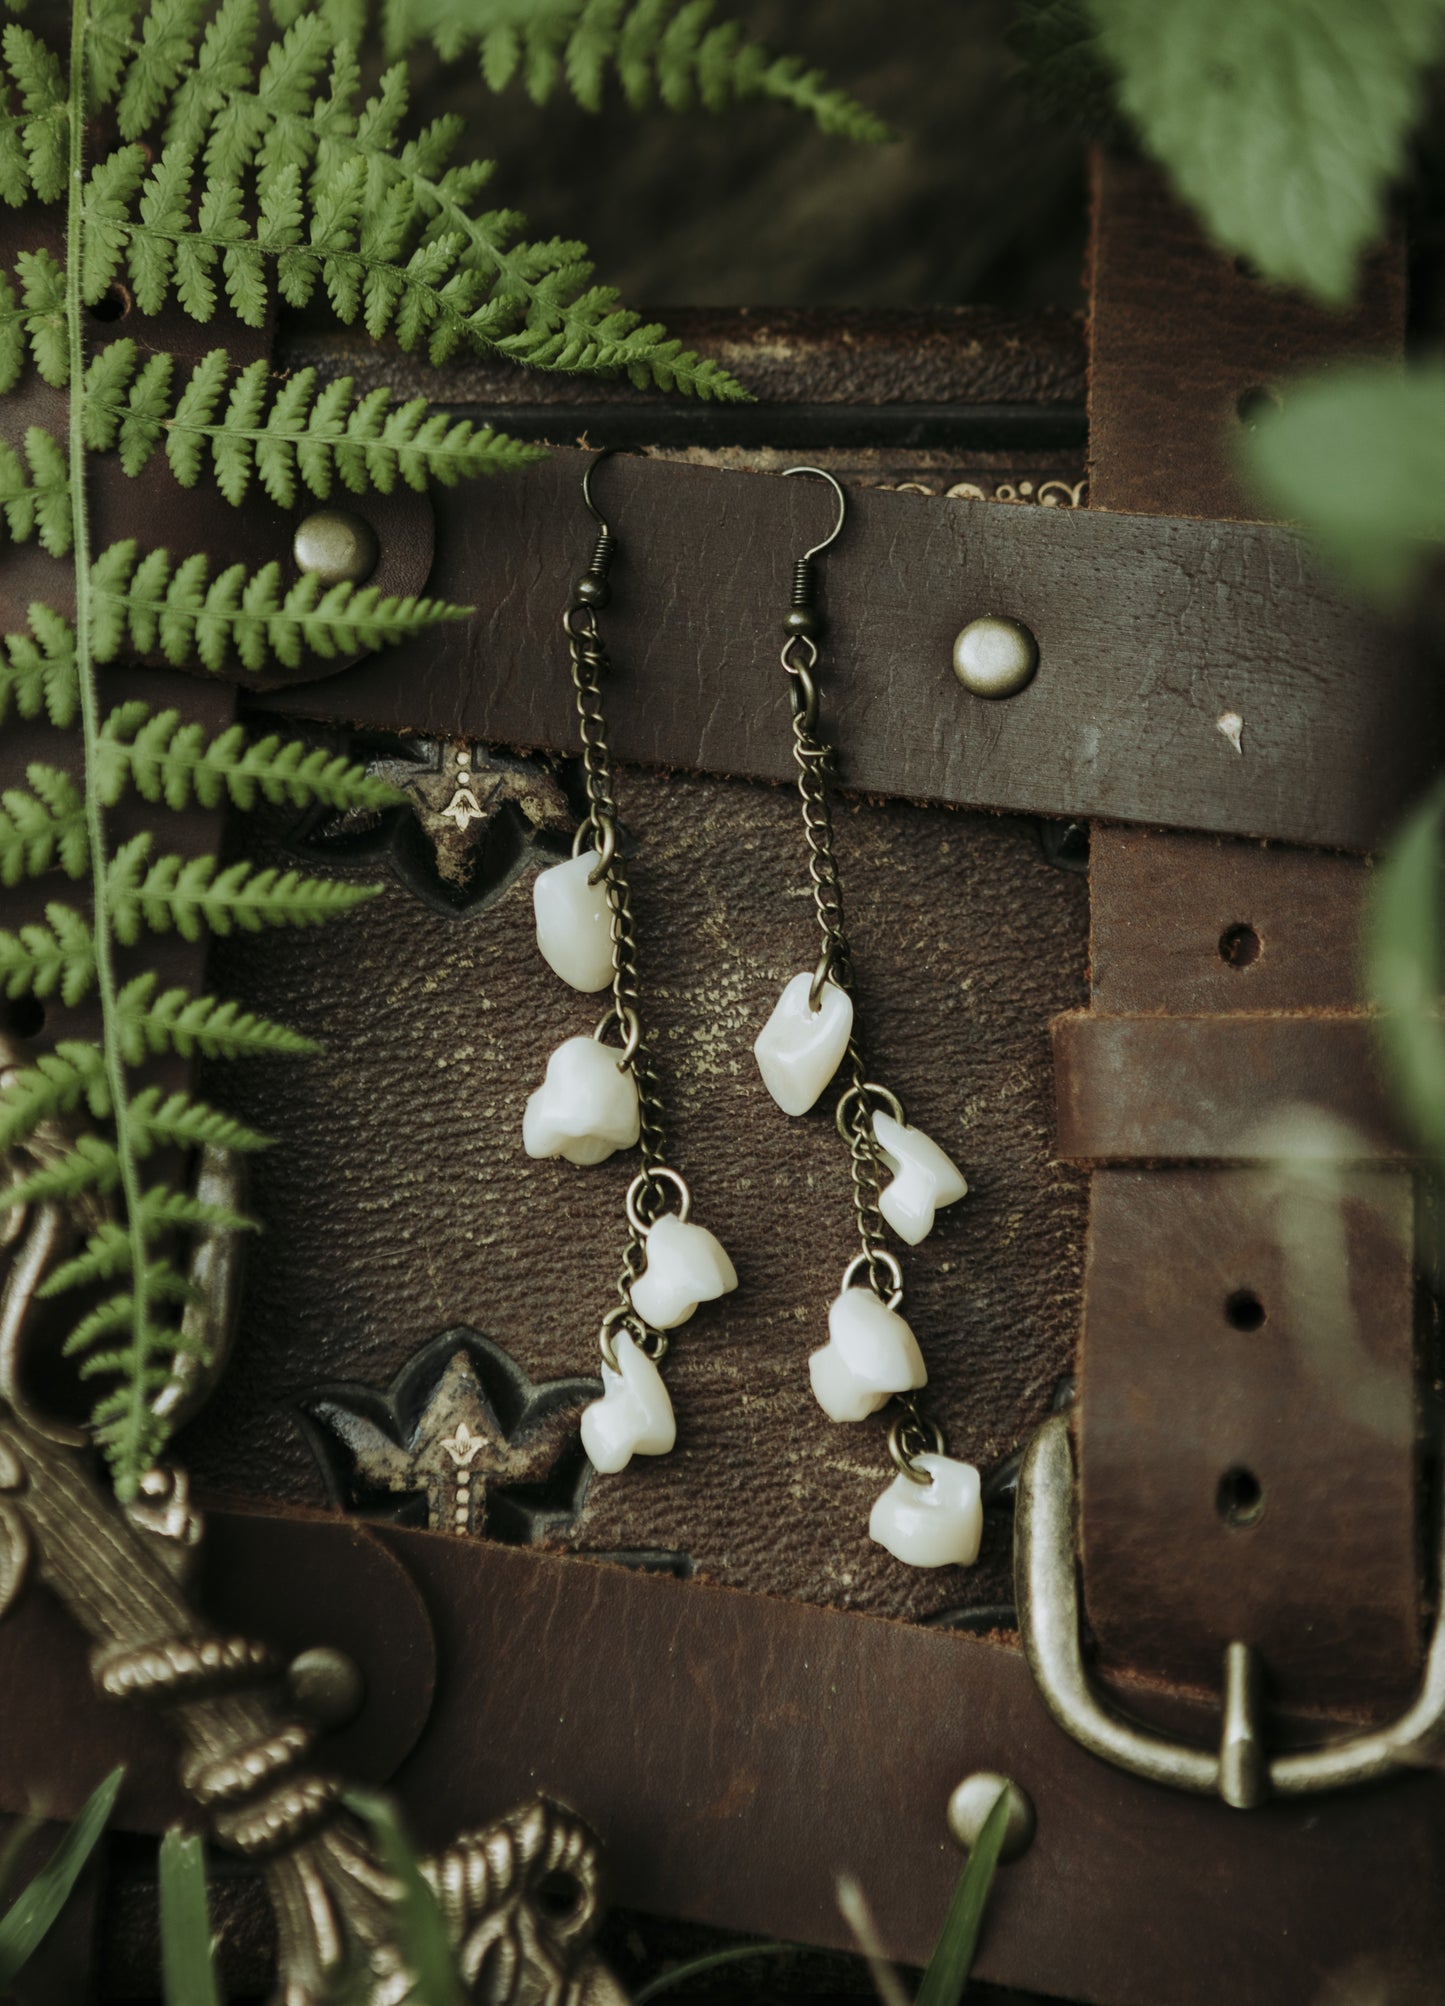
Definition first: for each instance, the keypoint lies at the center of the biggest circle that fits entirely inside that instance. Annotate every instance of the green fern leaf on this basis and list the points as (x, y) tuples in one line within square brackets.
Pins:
[(181, 611), (45, 128), (58, 1083), (110, 45), (90, 1165), (165, 53), (43, 829), (660, 50), (106, 1255), (162, 1284), (175, 1121), (283, 430), (35, 492), (176, 1021), (171, 761), (190, 894), (38, 671), (39, 960)]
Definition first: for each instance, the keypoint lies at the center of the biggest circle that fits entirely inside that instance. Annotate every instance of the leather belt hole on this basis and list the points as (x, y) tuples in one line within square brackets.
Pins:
[(1244, 1311), (1240, 946), (1254, 404), (113, 305), (1240, 1497), (22, 1016)]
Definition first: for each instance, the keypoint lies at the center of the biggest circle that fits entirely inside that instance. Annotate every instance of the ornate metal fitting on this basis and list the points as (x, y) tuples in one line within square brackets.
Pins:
[(1241, 1771)]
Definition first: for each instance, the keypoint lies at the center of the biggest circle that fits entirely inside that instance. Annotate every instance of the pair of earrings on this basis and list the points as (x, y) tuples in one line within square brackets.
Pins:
[(597, 1098)]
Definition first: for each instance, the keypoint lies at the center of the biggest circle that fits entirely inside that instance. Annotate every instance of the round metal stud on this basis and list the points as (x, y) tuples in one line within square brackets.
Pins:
[(976, 1796), (995, 657), (336, 546), (326, 1686)]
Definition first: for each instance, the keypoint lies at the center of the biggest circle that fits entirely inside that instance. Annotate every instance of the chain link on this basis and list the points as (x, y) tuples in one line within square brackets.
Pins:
[(589, 665)]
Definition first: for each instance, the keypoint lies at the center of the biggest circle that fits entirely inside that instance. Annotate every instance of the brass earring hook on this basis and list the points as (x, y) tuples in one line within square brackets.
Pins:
[(592, 465), (819, 474)]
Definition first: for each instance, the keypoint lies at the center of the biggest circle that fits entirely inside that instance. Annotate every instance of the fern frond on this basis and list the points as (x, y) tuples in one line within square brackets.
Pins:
[(192, 894), (105, 1255), (34, 150), (57, 1083), (147, 603), (176, 1021), (163, 1284), (32, 321), (91, 1164), (281, 429), (38, 960), (35, 492), (658, 50), (43, 829), (175, 1121), (38, 672), (175, 762), (161, 58)]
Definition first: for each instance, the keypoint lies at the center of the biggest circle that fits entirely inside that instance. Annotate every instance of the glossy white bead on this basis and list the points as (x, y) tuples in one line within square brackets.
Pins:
[(585, 1107), (686, 1265), (871, 1354), (574, 923), (634, 1416), (925, 1178), (938, 1524), (799, 1049)]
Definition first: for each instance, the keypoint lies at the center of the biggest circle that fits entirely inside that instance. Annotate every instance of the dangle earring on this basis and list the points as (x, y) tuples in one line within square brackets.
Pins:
[(599, 1097), (931, 1514)]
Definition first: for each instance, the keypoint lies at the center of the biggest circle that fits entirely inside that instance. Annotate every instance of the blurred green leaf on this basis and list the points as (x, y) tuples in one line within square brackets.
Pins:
[(1068, 77), (35, 1908), (187, 1965), (1403, 967), (1283, 122), (1358, 459), (421, 1933), (953, 1955), (698, 1967)]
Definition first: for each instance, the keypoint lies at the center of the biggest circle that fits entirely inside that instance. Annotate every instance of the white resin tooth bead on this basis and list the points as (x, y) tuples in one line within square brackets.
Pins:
[(574, 923), (799, 1049), (925, 1178), (871, 1354), (686, 1265), (939, 1524), (585, 1107), (634, 1416)]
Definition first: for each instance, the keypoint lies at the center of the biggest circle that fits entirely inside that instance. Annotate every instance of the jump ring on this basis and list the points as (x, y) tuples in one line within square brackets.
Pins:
[(630, 1024), (651, 1343), (655, 1173), (903, 1455), (854, 1095), (822, 974), (879, 1258)]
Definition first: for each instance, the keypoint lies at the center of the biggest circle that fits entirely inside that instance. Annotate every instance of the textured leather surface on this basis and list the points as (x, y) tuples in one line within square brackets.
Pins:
[(399, 1203), (1247, 1411), (1149, 633)]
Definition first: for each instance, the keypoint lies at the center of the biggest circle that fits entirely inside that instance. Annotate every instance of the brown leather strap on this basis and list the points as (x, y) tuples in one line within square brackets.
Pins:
[(1247, 1416), (736, 1753), (1150, 633)]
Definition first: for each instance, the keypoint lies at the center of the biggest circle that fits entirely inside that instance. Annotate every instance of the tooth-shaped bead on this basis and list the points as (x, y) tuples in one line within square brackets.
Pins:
[(871, 1354), (634, 1416), (925, 1178), (937, 1524), (585, 1107), (799, 1049), (686, 1265), (574, 922)]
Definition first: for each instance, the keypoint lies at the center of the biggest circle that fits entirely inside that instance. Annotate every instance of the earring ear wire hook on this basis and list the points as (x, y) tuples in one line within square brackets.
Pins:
[(592, 465), (819, 474)]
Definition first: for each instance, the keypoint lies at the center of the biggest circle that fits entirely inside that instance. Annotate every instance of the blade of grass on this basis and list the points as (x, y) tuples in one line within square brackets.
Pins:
[(23, 1832), (187, 1966), (853, 1906), (952, 1958), (422, 1936), (36, 1906), (696, 1967)]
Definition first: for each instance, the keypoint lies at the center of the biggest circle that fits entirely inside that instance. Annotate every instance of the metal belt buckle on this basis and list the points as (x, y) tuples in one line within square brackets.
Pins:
[(1242, 1771)]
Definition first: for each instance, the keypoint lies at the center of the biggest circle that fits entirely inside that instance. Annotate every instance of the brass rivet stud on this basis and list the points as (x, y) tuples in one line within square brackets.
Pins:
[(336, 546), (971, 1803), (995, 657), (326, 1686)]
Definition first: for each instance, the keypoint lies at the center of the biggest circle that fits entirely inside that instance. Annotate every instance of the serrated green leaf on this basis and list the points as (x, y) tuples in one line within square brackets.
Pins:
[(187, 1966), (1284, 124), (37, 1908)]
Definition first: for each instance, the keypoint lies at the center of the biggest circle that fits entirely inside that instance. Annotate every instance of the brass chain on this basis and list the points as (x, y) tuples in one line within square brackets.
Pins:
[(590, 664)]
